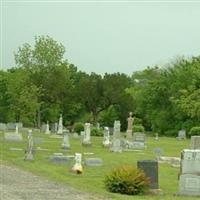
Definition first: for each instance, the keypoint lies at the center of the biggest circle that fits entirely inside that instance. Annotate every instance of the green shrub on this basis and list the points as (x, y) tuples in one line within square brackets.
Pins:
[(138, 128), (171, 133), (96, 132), (195, 131), (137, 121), (127, 180), (78, 127)]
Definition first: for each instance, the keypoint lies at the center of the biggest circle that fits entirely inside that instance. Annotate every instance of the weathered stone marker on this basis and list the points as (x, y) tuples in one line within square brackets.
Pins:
[(150, 168), (195, 142)]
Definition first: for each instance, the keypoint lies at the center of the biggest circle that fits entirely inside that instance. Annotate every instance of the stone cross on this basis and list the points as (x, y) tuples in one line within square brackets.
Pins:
[(29, 151), (66, 144), (60, 125), (106, 137)]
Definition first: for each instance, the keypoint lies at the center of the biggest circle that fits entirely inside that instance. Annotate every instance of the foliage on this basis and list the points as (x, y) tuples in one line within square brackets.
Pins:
[(127, 180), (96, 132), (138, 128), (195, 131), (78, 127)]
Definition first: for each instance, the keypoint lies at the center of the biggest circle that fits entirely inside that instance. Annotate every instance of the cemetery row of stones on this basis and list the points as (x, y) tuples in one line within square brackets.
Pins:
[(189, 182)]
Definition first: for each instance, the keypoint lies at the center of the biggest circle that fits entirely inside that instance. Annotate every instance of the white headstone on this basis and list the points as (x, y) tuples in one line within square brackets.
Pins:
[(60, 125), (116, 146), (66, 144), (190, 161), (78, 163), (116, 129), (47, 131), (189, 185), (86, 136), (106, 137)]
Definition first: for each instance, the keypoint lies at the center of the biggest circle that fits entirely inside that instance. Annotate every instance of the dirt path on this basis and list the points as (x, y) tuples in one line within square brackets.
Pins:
[(16, 184)]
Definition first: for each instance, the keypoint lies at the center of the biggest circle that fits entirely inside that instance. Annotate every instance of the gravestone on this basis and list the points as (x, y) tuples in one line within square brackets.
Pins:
[(158, 152), (116, 129), (195, 142), (190, 161), (29, 151), (54, 127), (11, 126), (43, 128), (129, 132), (106, 137), (139, 137), (2, 127), (86, 137), (38, 140), (156, 136), (59, 158), (66, 144), (60, 125), (150, 168), (47, 131), (77, 168), (181, 135), (20, 125), (189, 185), (116, 146), (135, 145), (93, 162), (13, 137)]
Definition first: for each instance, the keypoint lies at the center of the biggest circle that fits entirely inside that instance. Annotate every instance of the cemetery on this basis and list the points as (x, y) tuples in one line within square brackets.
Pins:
[(99, 100), (85, 160)]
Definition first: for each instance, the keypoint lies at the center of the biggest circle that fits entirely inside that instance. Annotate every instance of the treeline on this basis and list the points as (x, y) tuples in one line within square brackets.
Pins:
[(44, 84)]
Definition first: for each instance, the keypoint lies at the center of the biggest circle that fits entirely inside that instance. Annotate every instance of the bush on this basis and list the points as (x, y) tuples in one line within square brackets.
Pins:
[(96, 132), (195, 131), (78, 127), (138, 128), (127, 180), (171, 133)]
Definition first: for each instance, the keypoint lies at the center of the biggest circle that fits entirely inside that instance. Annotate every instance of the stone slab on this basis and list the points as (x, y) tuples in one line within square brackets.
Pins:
[(189, 185), (195, 142), (94, 162), (13, 137)]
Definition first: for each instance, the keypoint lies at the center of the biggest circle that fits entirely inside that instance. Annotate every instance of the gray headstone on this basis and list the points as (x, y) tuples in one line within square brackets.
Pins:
[(29, 150), (93, 162), (158, 151), (135, 145), (195, 142), (190, 161), (116, 146), (60, 159), (43, 128), (189, 185), (2, 126), (139, 137), (19, 124), (181, 135), (13, 137), (150, 168), (11, 126)]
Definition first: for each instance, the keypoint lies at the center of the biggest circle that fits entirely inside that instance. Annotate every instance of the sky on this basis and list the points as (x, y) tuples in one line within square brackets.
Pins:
[(113, 36)]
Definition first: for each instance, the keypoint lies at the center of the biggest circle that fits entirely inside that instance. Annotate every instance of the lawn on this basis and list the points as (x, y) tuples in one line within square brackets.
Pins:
[(92, 178)]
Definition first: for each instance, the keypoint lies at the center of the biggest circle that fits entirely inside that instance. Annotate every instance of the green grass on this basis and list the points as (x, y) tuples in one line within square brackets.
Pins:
[(92, 178)]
